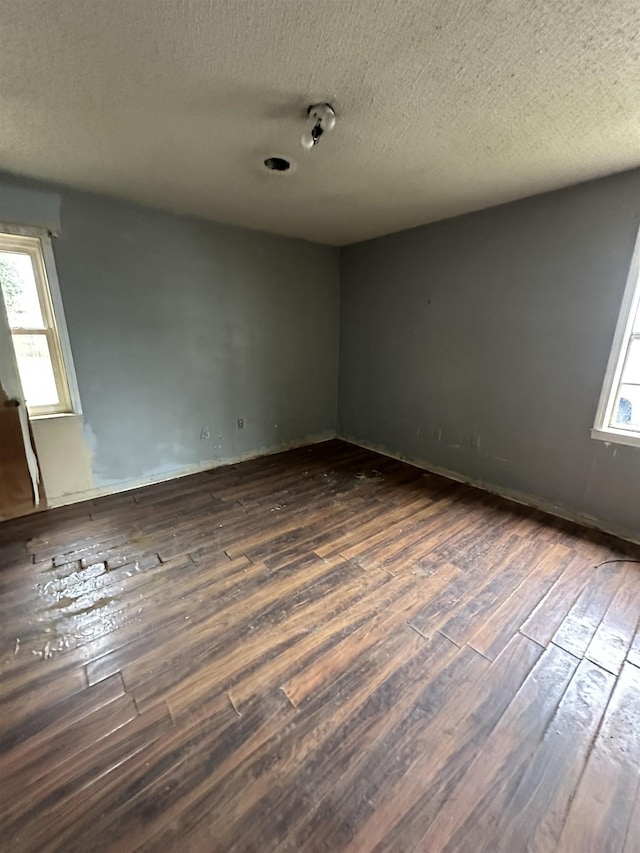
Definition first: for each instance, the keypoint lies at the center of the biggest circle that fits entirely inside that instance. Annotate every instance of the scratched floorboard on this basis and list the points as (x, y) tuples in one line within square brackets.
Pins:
[(323, 650)]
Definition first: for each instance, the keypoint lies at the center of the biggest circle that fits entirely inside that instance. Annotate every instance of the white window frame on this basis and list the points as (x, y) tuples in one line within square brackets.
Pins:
[(37, 243), (602, 429)]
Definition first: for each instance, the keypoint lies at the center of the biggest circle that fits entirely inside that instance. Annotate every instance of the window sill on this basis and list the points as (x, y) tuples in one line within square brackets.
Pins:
[(54, 416), (617, 436)]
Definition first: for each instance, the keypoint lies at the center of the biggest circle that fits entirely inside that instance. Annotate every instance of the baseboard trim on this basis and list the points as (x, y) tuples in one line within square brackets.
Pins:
[(178, 473), (511, 495)]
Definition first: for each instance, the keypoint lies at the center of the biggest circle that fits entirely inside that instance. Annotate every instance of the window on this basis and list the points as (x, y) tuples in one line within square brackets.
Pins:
[(618, 417), (43, 369)]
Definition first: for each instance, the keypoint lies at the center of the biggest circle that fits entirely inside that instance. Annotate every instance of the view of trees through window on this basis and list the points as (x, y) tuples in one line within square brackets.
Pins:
[(31, 338)]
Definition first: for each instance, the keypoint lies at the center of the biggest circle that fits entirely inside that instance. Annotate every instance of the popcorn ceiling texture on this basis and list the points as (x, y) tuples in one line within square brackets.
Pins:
[(444, 106)]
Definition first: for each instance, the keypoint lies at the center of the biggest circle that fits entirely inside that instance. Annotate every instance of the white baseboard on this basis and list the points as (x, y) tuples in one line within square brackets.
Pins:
[(138, 483), (509, 494)]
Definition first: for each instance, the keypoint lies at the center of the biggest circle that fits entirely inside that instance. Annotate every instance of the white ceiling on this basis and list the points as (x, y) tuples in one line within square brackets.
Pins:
[(444, 106)]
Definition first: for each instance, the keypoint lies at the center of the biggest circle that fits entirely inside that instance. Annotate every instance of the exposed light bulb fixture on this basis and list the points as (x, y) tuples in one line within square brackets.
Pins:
[(324, 120)]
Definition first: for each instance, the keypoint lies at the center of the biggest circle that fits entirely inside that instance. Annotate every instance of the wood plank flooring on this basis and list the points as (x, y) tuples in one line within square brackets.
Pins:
[(323, 650)]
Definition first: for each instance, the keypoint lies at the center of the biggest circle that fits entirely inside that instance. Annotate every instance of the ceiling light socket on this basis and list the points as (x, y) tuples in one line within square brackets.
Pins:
[(324, 120)]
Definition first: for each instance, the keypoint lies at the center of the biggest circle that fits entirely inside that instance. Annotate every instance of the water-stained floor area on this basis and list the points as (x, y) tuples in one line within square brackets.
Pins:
[(323, 650)]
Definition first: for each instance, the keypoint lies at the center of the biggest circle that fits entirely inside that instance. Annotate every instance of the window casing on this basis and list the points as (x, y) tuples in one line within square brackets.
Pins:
[(618, 415), (45, 369)]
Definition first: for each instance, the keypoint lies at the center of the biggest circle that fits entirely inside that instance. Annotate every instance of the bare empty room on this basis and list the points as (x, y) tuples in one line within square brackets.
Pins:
[(319, 426)]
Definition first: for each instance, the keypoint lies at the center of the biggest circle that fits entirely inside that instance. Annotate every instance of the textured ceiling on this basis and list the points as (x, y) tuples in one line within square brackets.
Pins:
[(444, 106)]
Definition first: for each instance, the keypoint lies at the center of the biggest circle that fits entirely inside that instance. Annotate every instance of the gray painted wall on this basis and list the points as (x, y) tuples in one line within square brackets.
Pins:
[(495, 328), (177, 323), (23, 202)]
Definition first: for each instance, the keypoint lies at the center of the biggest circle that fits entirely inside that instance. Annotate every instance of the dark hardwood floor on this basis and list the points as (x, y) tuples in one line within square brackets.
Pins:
[(324, 650)]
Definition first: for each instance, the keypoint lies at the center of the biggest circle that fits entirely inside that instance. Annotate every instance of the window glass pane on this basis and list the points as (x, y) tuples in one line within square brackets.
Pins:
[(626, 412), (20, 291), (631, 372), (36, 372)]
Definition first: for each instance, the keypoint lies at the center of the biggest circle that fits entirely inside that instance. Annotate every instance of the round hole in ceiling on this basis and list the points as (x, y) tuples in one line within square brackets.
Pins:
[(277, 164)]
